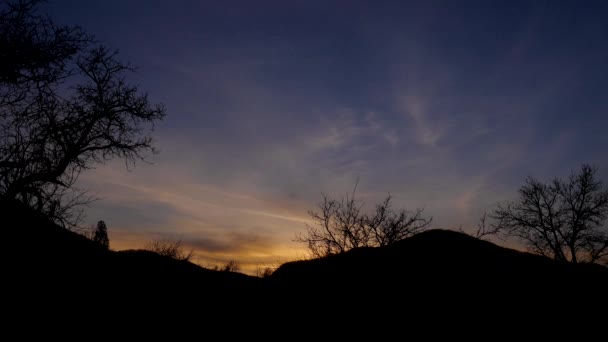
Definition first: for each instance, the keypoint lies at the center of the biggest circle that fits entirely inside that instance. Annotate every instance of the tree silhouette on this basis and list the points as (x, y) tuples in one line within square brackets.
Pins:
[(100, 235), (263, 272), (231, 266), (484, 229), (340, 225), (170, 248), (65, 106), (563, 219)]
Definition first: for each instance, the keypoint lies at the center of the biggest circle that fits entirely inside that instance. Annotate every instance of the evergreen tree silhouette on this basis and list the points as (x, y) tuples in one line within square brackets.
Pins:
[(101, 234)]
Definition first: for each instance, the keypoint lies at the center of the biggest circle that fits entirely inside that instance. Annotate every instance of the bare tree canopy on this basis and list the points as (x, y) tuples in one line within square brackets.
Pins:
[(65, 107), (340, 225), (170, 248), (563, 219)]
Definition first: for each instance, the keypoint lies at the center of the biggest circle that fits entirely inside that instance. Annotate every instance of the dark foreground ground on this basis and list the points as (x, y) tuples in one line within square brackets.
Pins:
[(435, 278)]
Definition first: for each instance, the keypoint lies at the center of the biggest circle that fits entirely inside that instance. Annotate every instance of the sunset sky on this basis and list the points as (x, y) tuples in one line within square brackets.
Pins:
[(446, 105)]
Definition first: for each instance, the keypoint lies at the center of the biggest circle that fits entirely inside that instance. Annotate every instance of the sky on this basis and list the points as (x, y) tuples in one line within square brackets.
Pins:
[(446, 105)]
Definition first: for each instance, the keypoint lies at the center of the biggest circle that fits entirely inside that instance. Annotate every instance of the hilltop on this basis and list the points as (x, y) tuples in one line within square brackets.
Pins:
[(48, 264)]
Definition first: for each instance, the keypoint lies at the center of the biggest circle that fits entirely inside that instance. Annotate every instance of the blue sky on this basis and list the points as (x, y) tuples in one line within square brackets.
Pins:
[(447, 105)]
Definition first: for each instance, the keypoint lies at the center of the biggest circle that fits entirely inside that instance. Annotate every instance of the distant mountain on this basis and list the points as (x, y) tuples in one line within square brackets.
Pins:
[(47, 266)]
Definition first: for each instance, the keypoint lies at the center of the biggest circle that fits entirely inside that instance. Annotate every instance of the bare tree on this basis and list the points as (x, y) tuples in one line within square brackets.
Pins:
[(563, 219), (65, 107), (485, 229), (170, 248), (264, 272), (231, 266), (35, 53), (340, 225)]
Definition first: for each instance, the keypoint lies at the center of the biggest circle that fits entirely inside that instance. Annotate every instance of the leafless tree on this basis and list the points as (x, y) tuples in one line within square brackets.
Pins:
[(485, 229), (170, 248), (263, 272), (562, 219), (231, 266), (340, 225), (35, 53), (65, 107)]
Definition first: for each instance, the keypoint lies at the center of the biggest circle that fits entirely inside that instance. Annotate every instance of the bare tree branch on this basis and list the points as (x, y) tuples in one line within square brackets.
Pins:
[(64, 108), (170, 248), (565, 219), (341, 225)]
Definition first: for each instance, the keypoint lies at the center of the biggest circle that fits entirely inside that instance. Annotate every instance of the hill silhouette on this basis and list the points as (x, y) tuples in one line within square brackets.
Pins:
[(46, 265), (443, 266)]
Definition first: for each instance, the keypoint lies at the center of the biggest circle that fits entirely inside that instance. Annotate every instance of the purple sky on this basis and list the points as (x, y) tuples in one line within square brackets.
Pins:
[(446, 105)]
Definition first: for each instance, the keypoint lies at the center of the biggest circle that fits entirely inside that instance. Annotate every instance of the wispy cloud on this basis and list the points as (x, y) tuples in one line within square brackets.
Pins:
[(442, 111), (426, 132)]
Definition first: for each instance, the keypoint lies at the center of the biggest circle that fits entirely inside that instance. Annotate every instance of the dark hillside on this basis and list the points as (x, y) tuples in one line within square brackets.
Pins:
[(438, 273), (43, 261), (440, 266)]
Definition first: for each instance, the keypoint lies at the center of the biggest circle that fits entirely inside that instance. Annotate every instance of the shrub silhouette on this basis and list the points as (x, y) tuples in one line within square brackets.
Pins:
[(170, 248), (340, 225), (231, 266), (264, 272)]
